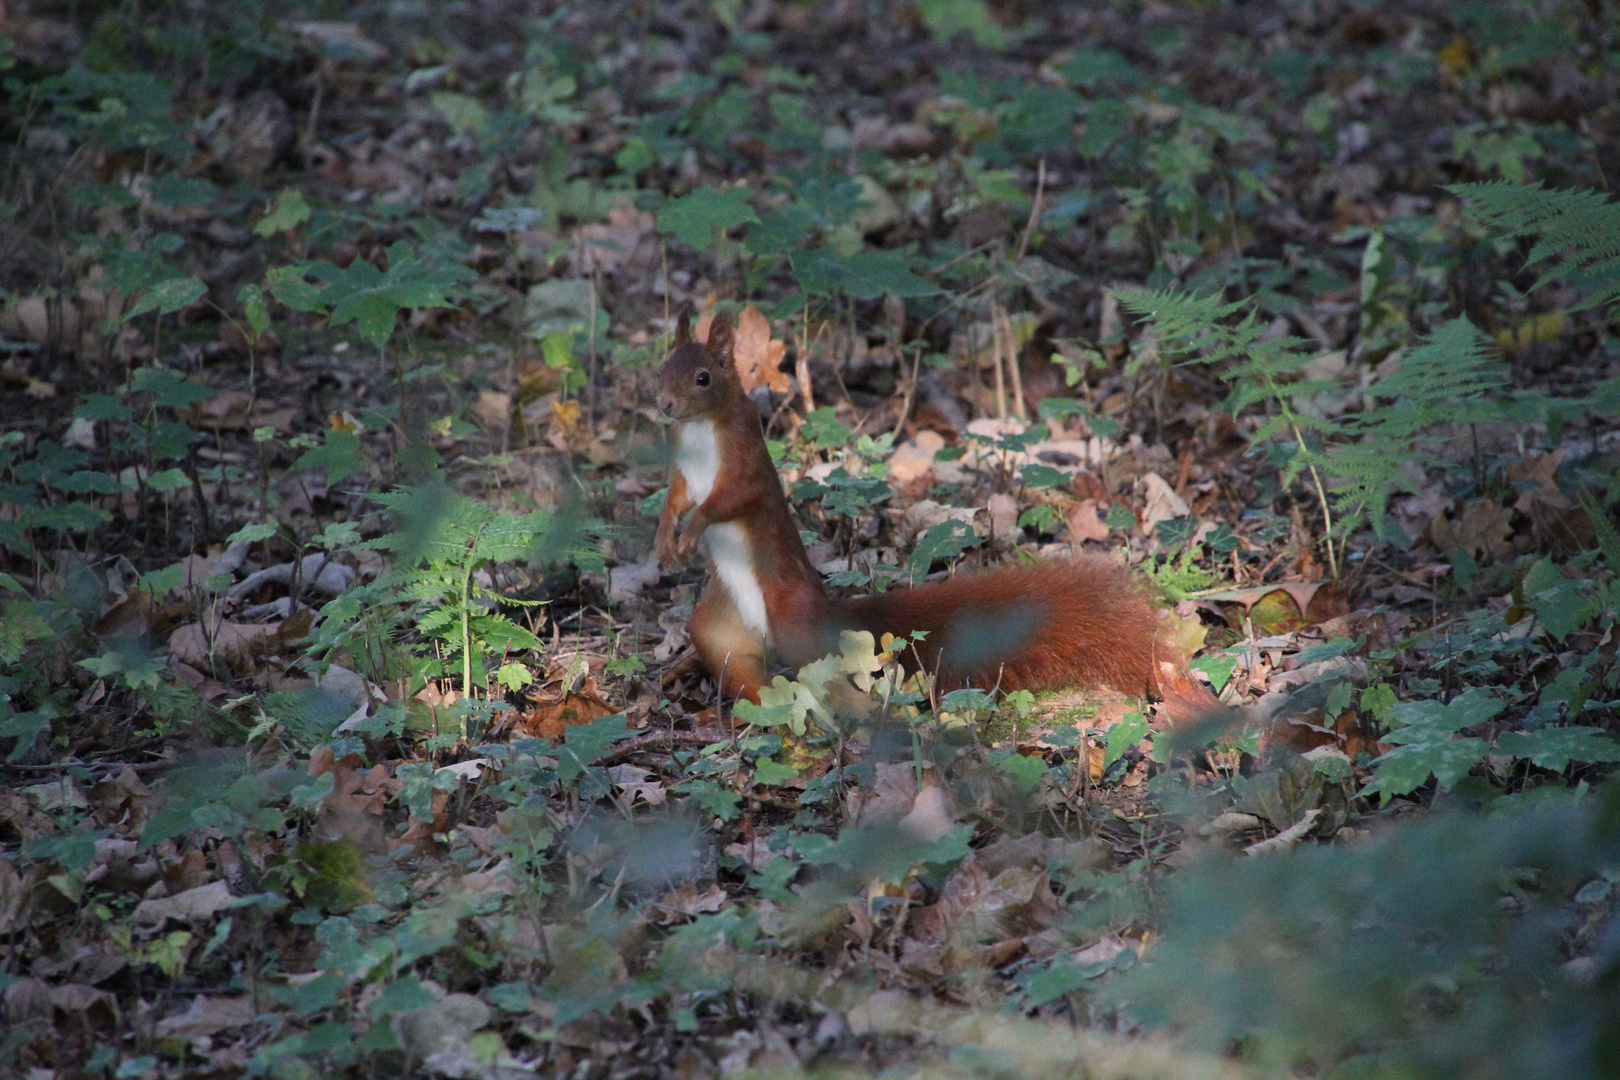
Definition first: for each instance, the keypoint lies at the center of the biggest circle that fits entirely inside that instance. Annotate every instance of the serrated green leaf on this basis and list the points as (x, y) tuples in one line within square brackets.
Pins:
[(694, 218), (865, 275), (168, 296), (289, 211), (340, 455), (1555, 747)]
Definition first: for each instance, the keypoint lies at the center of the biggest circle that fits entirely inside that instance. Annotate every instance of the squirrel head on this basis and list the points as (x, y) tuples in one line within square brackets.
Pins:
[(700, 378)]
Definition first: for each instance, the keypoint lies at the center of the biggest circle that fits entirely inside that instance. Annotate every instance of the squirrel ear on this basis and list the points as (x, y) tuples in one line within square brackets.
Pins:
[(683, 329), (720, 338)]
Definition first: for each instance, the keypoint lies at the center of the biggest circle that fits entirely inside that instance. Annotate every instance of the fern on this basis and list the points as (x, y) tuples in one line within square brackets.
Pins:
[(1261, 368), (1580, 227), (1447, 382), (441, 542)]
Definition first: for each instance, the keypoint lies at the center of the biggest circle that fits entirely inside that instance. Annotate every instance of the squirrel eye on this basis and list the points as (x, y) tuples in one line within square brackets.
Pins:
[(703, 378)]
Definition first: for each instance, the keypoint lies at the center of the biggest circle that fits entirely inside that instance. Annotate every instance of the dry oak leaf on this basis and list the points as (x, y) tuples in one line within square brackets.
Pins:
[(1085, 524), (238, 644), (758, 357), (1536, 480), (1484, 526)]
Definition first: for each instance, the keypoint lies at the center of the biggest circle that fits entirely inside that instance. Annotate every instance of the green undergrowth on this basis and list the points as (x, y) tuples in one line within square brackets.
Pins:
[(324, 653)]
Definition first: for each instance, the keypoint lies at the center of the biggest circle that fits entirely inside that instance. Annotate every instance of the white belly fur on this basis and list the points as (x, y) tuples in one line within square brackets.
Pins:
[(698, 458), (734, 562), (699, 461)]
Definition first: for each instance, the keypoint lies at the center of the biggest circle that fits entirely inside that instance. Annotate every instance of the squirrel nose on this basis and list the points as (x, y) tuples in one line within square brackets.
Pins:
[(665, 405)]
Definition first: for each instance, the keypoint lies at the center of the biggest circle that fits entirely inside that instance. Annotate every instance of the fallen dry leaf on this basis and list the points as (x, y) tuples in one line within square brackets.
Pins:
[(1160, 503), (1484, 527), (1085, 523), (198, 903), (208, 1014), (758, 357)]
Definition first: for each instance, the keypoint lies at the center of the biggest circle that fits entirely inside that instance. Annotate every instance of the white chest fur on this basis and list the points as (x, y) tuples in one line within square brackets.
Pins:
[(734, 563), (698, 458)]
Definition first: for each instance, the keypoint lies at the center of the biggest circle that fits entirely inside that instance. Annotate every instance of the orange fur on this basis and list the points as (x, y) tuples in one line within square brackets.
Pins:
[(1080, 621)]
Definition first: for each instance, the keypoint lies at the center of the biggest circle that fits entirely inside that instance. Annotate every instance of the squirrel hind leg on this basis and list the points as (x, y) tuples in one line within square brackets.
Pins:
[(733, 653)]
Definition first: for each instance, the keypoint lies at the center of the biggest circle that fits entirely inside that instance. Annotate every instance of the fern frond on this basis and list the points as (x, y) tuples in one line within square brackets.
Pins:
[(1580, 227)]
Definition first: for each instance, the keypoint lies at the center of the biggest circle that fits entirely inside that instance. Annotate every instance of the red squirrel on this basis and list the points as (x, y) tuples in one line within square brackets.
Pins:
[(1078, 621)]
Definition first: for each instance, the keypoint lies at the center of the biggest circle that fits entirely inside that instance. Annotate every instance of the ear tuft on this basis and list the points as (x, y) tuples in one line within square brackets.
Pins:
[(720, 336), (683, 329)]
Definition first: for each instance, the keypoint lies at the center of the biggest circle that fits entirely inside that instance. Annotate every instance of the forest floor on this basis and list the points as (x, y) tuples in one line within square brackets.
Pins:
[(350, 726)]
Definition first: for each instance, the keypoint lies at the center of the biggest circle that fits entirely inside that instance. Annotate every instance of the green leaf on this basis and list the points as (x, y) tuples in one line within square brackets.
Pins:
[(252, 534), (255, 308), (168, 296), (945, 540), (1555, 747), (169, 387), (694, 218), (370, 298), (289, 211), (587, 742), (1026, 773), (771, 773), (1042, 476), (287, 284), (1122, 736), (25, 728), (1219, 668), (1405, 768), (340, 455), (1429, 720), (1562, 609), (822, 428), (865, 275), (466, 115), (947, 18)]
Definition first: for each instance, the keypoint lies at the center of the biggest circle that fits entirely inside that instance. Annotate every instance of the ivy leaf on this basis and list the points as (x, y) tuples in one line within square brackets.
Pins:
[(1562, 609), (1042, 476), (1555, 747), (945, 540), (168, 296), (1122, 736), (587, 742), (694, 218)]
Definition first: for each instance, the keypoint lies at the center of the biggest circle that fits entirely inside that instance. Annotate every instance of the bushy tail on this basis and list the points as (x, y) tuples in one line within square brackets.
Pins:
[(1080, 621)]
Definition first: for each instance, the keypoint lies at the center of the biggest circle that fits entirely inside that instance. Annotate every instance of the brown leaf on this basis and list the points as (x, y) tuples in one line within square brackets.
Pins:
[(758, 357), (237, 644), (122, 802), (1483, 527), (1085, 524), (208, 1014), (1536, 480), (192, 904), (555, 712)]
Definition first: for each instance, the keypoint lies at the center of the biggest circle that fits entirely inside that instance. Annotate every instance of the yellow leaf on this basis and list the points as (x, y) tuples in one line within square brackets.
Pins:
[(1455, 57), (1540, 329)]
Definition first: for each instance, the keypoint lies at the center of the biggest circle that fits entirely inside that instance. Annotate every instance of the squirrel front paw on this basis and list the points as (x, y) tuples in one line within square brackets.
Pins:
[(687, 547), (665, 548)]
